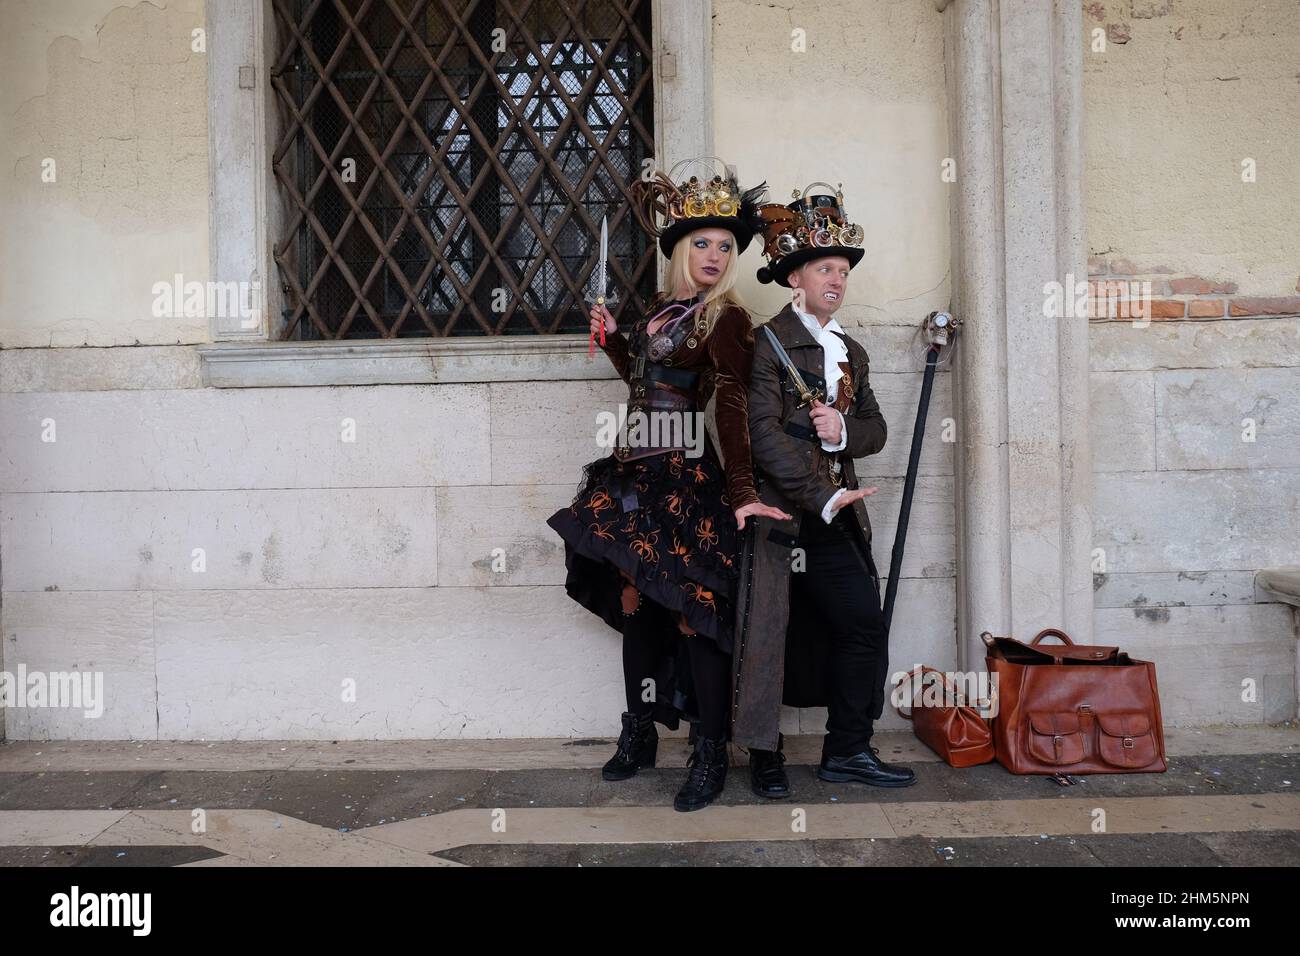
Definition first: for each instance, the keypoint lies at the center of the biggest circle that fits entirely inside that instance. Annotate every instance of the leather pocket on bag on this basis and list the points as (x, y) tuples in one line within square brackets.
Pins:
[(1055, 738), (1126, 740)]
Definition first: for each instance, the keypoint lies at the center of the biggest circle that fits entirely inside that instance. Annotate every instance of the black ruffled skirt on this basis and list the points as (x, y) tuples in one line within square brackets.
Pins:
[(679, 544)]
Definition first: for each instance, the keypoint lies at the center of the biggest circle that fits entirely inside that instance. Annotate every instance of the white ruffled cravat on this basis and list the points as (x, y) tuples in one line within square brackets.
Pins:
[(834, 351)]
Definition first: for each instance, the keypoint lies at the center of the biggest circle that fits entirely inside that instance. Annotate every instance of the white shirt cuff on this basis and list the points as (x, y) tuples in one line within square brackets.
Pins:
[(844, 435), (827, 514)]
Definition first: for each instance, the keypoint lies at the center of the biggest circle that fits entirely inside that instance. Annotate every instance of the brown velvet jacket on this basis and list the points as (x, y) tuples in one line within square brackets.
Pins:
[(723, 361)]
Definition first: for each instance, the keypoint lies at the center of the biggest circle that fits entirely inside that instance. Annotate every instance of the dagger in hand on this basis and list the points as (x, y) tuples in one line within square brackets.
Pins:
[(598, 292), (806, 395)]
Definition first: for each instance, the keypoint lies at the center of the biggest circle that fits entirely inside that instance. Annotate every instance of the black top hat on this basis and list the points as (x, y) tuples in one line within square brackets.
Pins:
[(668, 208), (814, 226)]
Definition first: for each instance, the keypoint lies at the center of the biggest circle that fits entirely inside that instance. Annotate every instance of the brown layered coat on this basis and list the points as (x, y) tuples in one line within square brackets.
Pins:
[(790, 474)]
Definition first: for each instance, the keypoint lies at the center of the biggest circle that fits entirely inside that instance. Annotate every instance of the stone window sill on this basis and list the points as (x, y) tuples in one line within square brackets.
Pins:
[(417, 361)]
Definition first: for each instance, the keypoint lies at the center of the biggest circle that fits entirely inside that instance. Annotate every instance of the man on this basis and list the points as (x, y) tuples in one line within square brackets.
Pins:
[(809, 615)]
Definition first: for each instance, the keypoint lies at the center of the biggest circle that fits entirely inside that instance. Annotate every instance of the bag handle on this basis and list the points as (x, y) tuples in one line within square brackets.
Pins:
[(948, 686), (924, 669), (1051, 632)]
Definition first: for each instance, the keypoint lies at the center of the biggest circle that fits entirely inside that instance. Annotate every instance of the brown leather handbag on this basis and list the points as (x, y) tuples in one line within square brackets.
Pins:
[(958, 734), (1076, 709)]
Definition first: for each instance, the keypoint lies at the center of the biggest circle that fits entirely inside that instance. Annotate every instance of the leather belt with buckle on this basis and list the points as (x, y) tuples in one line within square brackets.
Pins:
[(834, 470), (800, 431), (649, 399), (653, 372)]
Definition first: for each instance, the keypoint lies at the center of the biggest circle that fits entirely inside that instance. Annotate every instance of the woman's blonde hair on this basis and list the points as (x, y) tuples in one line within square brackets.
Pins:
[(719, 295)]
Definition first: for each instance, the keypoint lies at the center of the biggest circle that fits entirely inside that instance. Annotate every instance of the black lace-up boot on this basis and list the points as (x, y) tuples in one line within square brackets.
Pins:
[(707, 776), (637, 746)]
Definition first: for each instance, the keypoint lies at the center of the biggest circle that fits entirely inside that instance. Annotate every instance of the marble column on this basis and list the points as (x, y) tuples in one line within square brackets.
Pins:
[(1024, 457)]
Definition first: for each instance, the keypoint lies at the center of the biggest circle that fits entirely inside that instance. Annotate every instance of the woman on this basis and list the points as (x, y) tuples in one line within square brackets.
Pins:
[(651, 538)]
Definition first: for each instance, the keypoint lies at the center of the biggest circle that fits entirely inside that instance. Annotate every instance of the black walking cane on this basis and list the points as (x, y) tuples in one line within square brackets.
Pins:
[(938, 329)]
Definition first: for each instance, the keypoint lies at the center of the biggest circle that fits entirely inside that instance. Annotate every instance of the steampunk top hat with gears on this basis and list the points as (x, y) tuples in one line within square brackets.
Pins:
[(812, 227), (697, 194)]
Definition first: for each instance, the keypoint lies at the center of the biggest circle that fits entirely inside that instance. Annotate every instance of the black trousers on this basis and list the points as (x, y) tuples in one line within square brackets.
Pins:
[(837, 586)]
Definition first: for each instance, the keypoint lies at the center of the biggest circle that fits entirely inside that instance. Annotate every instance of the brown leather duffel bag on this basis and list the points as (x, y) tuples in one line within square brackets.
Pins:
[(1074, 710), (957, 733)]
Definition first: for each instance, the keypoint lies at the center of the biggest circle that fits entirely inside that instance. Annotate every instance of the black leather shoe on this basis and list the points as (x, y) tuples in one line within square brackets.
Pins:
[(766, 772), (707, 777), (865, 767), (637, 746)]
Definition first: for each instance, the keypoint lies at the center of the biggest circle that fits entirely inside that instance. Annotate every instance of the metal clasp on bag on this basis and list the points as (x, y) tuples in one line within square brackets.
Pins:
[(1128, 743)]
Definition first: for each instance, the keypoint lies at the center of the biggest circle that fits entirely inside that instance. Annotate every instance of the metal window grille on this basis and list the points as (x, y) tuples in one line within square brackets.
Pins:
[(445, 164)]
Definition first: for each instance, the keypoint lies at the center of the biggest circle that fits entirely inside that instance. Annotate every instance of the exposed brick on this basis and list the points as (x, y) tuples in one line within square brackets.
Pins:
[(1125, 296), (1096, 11), (1096, 266), (1114, 287), (1118, 32), (1195, 285), (1168, 308), (1205, 309), (1097, 307), (1125, 267), (1270, 305)]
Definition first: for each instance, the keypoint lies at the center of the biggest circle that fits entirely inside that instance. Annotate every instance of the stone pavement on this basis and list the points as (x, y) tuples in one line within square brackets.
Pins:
[(1231, 797)]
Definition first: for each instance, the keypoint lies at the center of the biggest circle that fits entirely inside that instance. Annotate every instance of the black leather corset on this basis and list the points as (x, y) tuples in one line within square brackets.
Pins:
[(657, 387)]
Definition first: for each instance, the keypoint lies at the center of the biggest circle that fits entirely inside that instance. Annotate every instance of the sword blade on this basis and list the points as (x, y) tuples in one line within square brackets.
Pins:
[(604, 257), (784, 356)]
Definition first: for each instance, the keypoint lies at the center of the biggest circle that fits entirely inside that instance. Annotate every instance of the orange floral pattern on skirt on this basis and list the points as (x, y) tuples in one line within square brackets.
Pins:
[(681, 532)]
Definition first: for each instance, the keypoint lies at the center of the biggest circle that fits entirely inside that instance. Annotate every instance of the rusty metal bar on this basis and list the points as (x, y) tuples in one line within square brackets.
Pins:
[(497, 133)]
